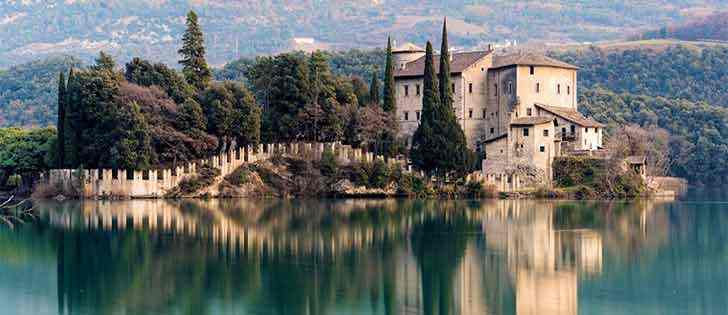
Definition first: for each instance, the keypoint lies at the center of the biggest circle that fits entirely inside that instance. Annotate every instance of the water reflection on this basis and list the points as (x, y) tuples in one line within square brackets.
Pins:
[(332, 257)]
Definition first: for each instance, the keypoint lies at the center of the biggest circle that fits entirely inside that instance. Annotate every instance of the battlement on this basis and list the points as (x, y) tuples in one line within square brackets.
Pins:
[(155, 183)]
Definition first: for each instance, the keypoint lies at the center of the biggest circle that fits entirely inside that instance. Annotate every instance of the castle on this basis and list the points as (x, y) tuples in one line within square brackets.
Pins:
[(514, 109)]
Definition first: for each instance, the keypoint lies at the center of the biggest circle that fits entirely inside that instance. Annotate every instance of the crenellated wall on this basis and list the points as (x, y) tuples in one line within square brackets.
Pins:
[(156, 183)]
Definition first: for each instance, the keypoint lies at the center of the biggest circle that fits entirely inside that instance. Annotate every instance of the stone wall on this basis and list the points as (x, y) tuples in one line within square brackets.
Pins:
[(155, 183)]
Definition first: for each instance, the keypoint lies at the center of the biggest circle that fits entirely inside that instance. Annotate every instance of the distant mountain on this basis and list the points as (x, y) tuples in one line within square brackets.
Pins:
[(712, 27), (31, 29)]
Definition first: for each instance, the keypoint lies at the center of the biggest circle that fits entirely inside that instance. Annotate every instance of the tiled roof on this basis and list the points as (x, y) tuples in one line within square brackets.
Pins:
[(571, 115), (529, 59), (528, 121), (459, 62), (496, 138), (407, 47), (636, 159)]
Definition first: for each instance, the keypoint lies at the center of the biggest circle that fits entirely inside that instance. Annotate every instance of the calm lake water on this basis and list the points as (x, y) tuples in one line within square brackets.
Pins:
[(368, 257)]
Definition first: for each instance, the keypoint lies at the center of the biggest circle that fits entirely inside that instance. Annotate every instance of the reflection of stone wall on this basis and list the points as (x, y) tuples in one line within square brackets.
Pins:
[(157, 182), (547, 293)]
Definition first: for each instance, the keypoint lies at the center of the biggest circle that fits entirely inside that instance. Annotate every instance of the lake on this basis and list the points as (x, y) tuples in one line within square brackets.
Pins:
[(368, 257)]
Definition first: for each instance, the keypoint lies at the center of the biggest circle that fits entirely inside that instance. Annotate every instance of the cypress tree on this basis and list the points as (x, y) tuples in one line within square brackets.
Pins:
[(423, 152), (195, 67), (374, 90), (453, 156), (445, 89), (71, 127), (389, 104), (61, 122)]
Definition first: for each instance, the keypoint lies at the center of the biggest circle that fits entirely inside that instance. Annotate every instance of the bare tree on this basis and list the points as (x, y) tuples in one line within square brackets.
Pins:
[(652, 142), (12, 213)]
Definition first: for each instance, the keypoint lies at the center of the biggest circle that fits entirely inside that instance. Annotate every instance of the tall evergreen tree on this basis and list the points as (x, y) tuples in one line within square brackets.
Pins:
[(389, 103), (445, 89), (374, 90), (423, 152), (193, 60), (61, 122), (104, 62), (439, 144)]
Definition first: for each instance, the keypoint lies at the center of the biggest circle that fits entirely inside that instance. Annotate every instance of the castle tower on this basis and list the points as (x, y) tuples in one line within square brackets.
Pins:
[(405, 54)]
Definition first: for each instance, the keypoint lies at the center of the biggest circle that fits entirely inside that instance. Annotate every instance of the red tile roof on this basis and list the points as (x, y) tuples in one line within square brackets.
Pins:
[(459, 62)]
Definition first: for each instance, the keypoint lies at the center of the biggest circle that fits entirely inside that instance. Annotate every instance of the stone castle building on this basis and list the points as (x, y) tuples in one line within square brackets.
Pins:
[(515, 109)]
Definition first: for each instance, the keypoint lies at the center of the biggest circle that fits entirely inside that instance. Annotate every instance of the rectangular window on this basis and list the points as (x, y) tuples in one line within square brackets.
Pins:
[(470, 88), (495, 88), (542, 149), (546, 133), (568, 90), (538, 87), (532, 70), (586, 130), (529, 111), (417, 89), (470, 113), (484, 113), (558, 89), (492, 130), (406, 115), (596, 130), (114, 174), (418, 115), (406, 90), (510, 87), (525, 132), (573, 129), (452, 87)]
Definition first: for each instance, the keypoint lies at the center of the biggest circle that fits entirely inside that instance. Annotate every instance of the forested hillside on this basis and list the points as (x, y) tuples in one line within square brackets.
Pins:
[(712, 27), (32, 29), (699, 142), (28, 92), (678, 72)]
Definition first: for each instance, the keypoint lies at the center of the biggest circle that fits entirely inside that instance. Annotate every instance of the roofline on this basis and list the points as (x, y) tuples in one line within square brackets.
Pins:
[(532, 124), (414, 76), (596, 123), (407, 51), (505, 135), (535, 65)]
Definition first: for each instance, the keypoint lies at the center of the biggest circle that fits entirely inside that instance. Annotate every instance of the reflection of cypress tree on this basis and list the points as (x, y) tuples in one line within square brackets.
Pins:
[(439, 246)]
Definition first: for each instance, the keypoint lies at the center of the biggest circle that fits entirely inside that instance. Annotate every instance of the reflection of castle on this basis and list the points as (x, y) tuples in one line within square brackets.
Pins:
[(517, 260)]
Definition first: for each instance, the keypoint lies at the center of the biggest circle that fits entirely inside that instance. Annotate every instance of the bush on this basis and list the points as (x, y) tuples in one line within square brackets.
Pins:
[(328, 165), (205, 177), (14, 181), (360, 174), (239, 177), (572, 171), (379, 175)]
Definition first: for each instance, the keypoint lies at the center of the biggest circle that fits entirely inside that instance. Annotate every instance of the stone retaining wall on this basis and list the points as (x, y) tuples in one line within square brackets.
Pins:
[(155, 183)]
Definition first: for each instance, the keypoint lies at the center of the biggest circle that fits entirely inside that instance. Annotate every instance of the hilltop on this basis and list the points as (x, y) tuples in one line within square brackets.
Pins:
[(33, 29)]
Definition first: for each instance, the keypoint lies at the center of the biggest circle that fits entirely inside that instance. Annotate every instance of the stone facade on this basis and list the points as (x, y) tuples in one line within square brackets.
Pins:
[(496, 97)]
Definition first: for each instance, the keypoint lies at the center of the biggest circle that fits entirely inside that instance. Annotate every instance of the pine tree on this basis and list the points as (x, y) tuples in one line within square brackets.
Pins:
[(104, 62), (61, 122), (195, 67), (445, 89), (423, 152), (389, 103), (374, 90)]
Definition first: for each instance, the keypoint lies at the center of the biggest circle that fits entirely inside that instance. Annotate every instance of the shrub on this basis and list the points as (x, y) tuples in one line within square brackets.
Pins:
[(328, 165), (239, 177), (360, 174), (14, 181), (380, 175), (205, 177)]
